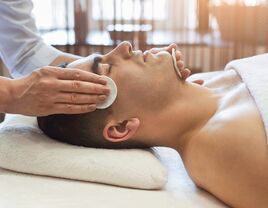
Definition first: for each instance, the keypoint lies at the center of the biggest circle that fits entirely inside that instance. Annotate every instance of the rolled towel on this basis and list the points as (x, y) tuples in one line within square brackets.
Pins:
[(24, 148)]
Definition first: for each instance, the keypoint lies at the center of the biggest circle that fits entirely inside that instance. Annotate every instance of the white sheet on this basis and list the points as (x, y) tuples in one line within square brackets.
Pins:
[(30, 191), (254, 72)]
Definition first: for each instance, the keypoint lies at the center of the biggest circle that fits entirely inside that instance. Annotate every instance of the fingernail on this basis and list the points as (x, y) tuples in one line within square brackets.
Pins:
[(102, 97), (179, 54), (180, 64), (92, 107), (106, 90), (102, 80)]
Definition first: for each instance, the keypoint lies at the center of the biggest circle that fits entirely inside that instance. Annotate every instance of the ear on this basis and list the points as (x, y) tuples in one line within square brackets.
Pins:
[(120, 131)]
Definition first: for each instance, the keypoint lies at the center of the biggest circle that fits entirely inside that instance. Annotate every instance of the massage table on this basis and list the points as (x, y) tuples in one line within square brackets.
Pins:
[(20, 190)]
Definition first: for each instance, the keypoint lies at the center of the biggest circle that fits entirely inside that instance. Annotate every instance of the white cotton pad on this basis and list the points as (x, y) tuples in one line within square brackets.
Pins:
[(112, 95), (177, 70)]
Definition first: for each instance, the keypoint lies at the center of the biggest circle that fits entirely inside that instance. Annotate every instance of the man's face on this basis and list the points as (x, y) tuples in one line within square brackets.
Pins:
[(143, 80)]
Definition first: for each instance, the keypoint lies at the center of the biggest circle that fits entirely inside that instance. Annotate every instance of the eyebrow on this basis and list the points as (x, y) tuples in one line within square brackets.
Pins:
[(95, 65)]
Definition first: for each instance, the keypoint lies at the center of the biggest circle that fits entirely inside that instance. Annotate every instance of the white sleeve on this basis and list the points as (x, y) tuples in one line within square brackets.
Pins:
[(21, 48)]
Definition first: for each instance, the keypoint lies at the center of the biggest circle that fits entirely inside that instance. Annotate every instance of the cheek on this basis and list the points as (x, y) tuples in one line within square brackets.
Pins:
[(140, 93), (128, 76), (131, 83), (164, 64), (144, 87), (132, 87)]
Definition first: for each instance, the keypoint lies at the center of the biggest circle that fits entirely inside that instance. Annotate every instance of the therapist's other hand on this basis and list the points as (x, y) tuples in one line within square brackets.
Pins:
[(185, 72), (53, 90)]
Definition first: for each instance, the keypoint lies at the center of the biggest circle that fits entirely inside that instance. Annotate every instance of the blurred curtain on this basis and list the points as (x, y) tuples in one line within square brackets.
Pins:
[(209, 32)]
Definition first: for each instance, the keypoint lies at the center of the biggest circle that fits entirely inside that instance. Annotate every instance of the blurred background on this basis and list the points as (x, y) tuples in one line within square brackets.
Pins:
[(210, 33)]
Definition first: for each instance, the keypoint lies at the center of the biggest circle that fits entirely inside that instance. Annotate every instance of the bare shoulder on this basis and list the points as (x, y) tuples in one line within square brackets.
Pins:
[(237, 176), (229, 156)]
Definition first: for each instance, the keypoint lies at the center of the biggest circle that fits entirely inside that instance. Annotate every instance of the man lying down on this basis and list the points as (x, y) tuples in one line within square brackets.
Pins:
[(215, 127)]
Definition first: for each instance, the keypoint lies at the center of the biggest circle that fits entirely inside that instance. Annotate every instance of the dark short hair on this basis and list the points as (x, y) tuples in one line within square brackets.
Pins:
[(82, 130)]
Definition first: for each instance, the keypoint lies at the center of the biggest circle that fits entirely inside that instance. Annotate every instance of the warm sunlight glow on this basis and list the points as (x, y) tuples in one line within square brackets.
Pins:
[(242, 2), (253, 2)]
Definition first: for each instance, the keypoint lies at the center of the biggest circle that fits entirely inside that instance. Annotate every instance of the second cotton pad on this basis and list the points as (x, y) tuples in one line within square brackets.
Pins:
[(112, 95), (177, 70)]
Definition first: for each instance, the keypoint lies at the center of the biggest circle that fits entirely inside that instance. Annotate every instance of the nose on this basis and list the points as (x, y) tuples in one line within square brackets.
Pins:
[(124, 49)]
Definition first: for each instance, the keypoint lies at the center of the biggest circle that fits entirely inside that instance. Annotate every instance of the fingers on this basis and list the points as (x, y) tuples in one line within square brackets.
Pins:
[(77, 74), (172, 45), (62, 91), (180, 64), (185, 73), (75, 98), (179, 58), (179, 55), (82, 87), (62, 108)]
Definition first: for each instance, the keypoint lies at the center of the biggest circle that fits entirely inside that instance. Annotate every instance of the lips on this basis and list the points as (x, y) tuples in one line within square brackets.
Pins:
[(145, 55), (139, 55)]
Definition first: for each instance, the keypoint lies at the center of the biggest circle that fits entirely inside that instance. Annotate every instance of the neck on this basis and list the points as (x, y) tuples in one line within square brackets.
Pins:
[(184, 117)]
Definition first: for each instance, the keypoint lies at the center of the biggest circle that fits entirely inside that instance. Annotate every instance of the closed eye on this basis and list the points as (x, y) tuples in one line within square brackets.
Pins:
[(101, 68), (95, 65), (105, 69), (110, 68)]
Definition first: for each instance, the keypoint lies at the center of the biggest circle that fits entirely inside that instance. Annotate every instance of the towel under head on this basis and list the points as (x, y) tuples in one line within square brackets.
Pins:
[(24, 148)]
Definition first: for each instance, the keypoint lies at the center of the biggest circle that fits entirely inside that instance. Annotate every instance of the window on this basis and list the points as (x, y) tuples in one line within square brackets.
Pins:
[(51, 15), (69, 21), (129, 9), (55, 20), (242, 2)]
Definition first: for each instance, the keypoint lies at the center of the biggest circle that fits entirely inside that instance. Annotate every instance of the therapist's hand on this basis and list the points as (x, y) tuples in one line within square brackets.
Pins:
[(185, 72), (53, 90)]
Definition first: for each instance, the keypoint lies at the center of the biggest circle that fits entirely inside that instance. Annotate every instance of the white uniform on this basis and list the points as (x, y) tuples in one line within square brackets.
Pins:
[(21, 48)]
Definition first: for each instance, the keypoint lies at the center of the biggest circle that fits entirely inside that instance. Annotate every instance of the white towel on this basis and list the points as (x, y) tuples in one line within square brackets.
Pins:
[(254, 73), (24, 148)]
